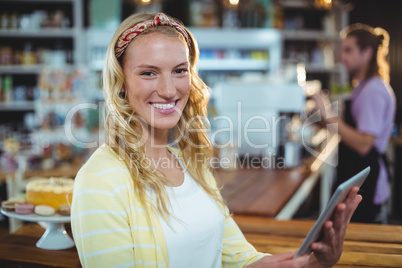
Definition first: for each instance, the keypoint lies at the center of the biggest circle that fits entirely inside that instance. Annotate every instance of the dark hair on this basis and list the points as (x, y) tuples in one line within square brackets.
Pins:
[(378, 64)]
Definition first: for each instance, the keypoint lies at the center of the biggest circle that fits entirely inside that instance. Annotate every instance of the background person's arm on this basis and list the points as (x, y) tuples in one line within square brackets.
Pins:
[(359, 141)]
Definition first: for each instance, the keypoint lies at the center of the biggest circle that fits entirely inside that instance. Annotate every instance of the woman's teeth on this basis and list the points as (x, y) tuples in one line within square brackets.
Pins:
[(163, 106)]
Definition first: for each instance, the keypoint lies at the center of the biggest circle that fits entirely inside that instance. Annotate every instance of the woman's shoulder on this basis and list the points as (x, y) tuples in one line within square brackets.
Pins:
[(376, 88), (375, 85), (103, 164), (103, 159)]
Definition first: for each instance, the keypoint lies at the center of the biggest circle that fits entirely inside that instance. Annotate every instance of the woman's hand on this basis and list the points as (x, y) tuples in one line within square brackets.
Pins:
[(323, 105), (328, 250), (281, 260)]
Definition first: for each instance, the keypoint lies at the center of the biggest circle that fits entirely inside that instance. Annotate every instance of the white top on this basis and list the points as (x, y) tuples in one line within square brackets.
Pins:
[(195, 237)]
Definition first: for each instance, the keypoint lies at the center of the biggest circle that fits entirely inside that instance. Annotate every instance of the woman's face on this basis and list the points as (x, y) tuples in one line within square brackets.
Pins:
[(157, 78), (352, 57)]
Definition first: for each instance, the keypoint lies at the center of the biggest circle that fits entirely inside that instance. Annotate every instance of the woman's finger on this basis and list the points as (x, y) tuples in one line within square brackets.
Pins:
[(351, 202), (328, 239)]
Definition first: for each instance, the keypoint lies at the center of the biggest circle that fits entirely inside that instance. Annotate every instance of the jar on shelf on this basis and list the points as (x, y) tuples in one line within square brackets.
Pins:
[(5, 55), (28, 56)]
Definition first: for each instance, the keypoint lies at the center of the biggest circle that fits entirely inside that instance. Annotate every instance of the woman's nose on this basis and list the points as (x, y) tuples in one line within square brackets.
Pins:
[(166, 87)]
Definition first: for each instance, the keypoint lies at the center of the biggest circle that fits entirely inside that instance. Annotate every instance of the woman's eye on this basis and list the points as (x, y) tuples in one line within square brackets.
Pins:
[(147, 73), (181, 71)]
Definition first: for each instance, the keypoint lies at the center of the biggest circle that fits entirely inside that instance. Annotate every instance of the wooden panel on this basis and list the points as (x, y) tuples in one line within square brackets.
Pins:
[(300, 228), (295, 242)]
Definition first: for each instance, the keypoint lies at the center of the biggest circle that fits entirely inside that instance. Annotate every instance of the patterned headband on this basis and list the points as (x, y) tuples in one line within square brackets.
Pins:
[(159, 20)]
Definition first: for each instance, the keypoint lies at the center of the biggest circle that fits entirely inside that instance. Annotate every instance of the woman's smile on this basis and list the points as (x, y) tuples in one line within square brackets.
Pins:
[(164, 107)]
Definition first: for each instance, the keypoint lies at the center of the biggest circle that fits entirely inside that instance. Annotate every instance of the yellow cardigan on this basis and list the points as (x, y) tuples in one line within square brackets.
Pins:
[(110, 227)]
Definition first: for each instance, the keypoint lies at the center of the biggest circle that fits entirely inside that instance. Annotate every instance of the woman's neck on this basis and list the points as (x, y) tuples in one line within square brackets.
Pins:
[(361, 74), (156, 144)]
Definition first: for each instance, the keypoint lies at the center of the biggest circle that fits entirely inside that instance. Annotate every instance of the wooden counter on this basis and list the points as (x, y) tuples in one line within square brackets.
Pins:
[(259, 191), (19, 250), (366, 245)]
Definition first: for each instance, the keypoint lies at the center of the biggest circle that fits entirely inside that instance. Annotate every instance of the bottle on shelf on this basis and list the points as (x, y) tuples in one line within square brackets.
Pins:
[(7, 88)]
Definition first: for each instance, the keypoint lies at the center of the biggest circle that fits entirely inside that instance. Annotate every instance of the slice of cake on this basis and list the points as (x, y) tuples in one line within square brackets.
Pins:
[(50, 191)]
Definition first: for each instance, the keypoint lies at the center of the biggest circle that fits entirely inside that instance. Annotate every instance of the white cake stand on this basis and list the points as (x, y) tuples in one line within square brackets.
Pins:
[(55, 236)]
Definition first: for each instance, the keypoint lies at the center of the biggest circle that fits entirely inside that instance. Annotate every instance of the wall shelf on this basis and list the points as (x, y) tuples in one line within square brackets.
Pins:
[(232, 65), (25, 69), (21, 69), (304, 35), (40, 33), (17, 106), (47, 38), (268, 40), (40, 1)]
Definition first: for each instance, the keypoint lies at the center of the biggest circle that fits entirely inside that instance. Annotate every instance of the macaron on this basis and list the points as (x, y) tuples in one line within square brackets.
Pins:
[(64, 210), (44, 210), (17, 199), (24, 209), (9, 205)]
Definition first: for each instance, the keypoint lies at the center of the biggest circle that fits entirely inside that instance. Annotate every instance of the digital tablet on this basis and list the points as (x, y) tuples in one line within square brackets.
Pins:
[(338, 197)]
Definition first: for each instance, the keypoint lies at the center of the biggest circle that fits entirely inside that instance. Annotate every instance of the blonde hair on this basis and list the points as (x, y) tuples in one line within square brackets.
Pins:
[(125, 134), (376, 38)]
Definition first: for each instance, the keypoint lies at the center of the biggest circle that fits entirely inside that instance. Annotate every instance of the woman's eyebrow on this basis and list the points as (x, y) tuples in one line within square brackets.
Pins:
[(180, 64), (155, 67), (147, 66)]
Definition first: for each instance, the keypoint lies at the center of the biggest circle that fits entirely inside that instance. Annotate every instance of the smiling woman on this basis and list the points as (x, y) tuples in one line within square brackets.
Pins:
[(141, 200)]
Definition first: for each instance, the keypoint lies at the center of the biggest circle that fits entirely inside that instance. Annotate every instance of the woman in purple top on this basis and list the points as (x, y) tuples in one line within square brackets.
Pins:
[(368, 116)]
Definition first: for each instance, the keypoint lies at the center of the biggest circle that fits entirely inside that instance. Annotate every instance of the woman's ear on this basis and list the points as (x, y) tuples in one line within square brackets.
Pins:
[(368, 54)]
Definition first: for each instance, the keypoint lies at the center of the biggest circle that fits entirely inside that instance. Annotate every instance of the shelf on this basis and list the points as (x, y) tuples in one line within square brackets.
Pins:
[(321, 68), (21, 69), (232, 38), (317, 67), (303, 4), (304, 35), (40, 33), (232, 65), (39, 1), (17, 106), (25, 69), (294, 4)]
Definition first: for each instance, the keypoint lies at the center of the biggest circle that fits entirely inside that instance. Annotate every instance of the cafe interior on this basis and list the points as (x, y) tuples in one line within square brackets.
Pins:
[(262, 60)]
